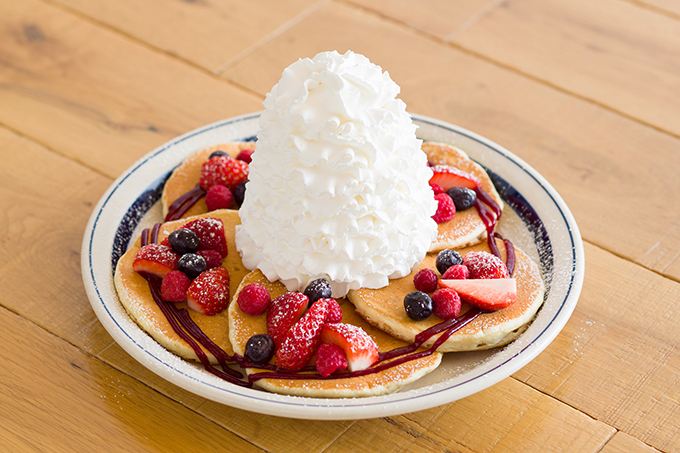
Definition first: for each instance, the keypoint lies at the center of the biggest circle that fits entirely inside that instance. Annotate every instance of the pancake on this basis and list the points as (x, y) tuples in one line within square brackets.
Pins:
[(466, 228), (133, 291), (384, 308), (242, 326), (186, 176)]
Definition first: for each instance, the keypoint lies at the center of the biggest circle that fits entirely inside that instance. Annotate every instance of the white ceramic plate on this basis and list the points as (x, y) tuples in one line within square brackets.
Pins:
[(536, 219)]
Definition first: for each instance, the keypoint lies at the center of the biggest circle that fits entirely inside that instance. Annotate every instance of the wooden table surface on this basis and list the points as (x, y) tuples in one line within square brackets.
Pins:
[(586, 91)]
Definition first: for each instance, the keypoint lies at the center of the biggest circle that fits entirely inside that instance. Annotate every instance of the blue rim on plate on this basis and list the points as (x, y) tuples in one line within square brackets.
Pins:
[(546, 218)]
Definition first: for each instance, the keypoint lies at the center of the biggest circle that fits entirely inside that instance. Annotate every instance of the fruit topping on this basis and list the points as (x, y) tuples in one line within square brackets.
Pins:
[(224, 170), (183, 241), (418, 305), (457, 271), (191, 264), (303, 338), (436, 188), (446, 259), (260, 348), (155, 259), (210, 234), (488, 294), (446, 303), (462, 197), (209, 292), (212, 258), (219, 197), (485, 265), (283, 313), (254, 299), (318, 289), (240, 192), (446, 210), (246, 155), (360, 349), (446, 177), (425, 280), (217, 153), (329, 359), (334, 311), (174, 286)]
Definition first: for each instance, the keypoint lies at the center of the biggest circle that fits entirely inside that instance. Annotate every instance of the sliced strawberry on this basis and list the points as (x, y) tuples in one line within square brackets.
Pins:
[(210, 234), (283, 313), (488, 294), (360, 349), (209, 292), (303, 338), (155, 259), (446, 177), (224, 170)]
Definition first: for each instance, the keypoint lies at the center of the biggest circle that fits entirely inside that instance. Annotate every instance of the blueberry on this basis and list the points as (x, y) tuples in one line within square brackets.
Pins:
[(462, 197), (183, 241), (446, 259), (318, 289), (260, 348), (217, 153), (191, 264), (418, 305), (240, 192)]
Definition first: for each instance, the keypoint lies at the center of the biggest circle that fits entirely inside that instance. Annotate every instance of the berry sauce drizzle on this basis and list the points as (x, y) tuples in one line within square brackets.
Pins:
[(490, 216), (181, 205)]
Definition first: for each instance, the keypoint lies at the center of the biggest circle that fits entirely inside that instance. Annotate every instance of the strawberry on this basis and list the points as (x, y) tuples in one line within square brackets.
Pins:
[(253, 299), (485, 265), (284, 311), (174, 286), (210, 234), (457, 271), (224, 170), (488, 294), (303, 338), (155, 259), (246, 155), (446, 177), (212, 258), (329, 359), (209, 292), (360, 349), (446, 210)]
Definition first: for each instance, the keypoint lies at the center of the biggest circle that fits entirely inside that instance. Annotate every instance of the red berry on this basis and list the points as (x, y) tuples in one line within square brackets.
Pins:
[(488, 294), (174, 286), (303, 338), (329, 359), (445, 208), (283, 313), (210, 234), (155, 259), (446, 303), (223, 170), (360, 349), (219, 197), (457, 271), (436, 188), (334, 310), (209, 292), (446, 177), (254, 299), (425, 280), (246, 155), (485, 265), (212, 258)]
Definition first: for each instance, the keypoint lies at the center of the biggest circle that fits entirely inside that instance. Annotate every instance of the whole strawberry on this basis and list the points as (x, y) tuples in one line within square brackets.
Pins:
[(485, 265), (224, 170), (303, 338)]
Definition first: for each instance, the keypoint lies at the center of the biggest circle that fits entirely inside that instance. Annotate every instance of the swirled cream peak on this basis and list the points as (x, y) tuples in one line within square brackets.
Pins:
[(338, 184)]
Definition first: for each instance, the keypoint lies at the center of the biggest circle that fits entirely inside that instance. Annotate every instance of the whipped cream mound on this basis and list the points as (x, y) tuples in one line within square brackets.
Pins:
[(338, 185)]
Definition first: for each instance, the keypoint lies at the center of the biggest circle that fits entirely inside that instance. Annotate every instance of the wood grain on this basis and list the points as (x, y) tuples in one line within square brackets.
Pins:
[(623, 443)]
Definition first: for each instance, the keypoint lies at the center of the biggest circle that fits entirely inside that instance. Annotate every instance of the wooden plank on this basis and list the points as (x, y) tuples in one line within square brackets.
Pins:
[(596, 159), (617, 359), (97, 96), (54, 397), (613, 52), (670, 7), (623, 443), (205, 33)]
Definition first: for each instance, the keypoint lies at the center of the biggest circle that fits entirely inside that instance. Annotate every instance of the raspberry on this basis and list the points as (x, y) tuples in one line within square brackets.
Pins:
[(446, 303), (334, 310), (485, 265), (212, 258), (456, 272), (329, 359), (302, 340), (254, 299), (219, 197), (174, 286), (445, 208), (436, 188), (425, 280), (223, 170), (246, 155)]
